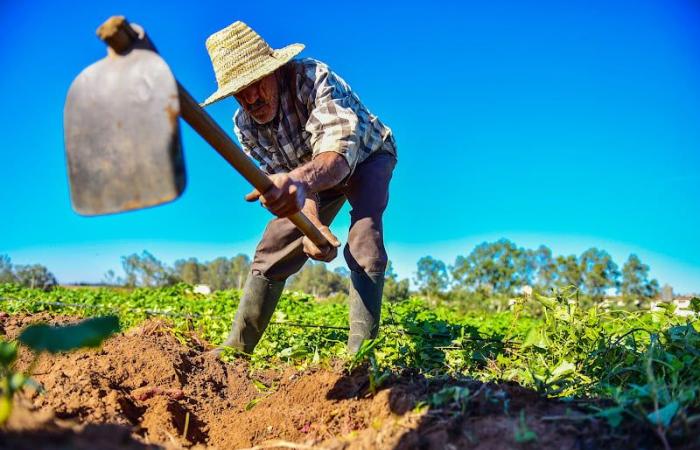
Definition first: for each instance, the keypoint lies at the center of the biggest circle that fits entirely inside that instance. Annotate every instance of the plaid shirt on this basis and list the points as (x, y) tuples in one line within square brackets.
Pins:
[(324, 116)]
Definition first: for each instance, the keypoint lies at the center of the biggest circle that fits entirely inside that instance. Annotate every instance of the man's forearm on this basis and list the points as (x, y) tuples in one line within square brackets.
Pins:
[(323, 172)]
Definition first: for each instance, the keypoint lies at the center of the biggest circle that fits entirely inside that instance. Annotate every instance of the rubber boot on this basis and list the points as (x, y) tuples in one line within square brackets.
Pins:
[(260, 297), (365, 307)]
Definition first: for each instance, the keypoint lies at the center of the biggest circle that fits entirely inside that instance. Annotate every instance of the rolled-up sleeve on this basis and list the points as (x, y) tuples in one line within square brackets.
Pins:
[(333, 124)]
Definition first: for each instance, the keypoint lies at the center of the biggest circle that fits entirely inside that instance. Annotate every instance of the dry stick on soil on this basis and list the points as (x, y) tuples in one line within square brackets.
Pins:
[(187, 425), (283, 444)]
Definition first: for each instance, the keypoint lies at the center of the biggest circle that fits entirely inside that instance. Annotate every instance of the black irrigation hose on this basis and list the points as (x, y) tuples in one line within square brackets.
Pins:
[(148, 312), (155, 312)]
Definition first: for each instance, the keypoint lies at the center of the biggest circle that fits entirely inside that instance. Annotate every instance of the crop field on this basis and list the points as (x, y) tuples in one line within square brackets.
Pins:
[(546, 372)]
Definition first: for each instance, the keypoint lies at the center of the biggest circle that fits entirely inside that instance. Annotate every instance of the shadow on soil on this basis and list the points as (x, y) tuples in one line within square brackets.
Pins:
[(91, 436)]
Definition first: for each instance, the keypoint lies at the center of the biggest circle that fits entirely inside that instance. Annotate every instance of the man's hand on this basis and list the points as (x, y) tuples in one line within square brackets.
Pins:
[(284, 198), (325, 254)]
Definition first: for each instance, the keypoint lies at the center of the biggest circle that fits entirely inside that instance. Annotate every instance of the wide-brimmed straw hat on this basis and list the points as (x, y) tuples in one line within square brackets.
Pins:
[(241, 57)]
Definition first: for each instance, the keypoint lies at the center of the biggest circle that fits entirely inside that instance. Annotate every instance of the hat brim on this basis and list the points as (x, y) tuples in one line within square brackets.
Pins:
[(277, 59)]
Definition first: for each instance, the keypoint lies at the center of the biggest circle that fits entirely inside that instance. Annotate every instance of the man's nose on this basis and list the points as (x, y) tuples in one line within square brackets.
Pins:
[(250, 95)]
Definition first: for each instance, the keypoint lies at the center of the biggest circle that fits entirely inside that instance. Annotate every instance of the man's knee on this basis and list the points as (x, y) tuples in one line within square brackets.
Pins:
[(358, 262), (365, 248)]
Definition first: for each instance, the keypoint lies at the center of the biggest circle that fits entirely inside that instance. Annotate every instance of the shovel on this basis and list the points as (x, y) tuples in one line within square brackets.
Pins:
[(122, 134)]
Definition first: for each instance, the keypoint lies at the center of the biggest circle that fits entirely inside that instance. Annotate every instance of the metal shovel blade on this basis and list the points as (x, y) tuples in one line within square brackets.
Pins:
[(122, 135)]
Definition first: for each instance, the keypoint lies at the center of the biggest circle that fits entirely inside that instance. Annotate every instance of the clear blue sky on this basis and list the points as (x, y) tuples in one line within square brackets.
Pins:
[(572, 124)]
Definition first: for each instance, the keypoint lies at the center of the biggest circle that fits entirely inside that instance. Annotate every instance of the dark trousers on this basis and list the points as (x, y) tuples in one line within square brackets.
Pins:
[(279, 253)]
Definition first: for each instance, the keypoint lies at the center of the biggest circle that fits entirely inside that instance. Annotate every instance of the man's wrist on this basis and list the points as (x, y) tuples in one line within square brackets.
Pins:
[(299, 178), (310, 209)]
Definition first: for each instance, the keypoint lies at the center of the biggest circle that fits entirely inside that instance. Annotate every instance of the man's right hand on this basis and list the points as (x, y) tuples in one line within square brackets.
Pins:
[(284, 198)]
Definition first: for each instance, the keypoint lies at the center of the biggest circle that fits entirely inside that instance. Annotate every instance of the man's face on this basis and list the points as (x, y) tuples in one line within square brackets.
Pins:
[(260, 99)]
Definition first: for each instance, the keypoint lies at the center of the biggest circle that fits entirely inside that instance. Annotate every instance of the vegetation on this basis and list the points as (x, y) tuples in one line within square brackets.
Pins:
[(502, 312), (644, 365)]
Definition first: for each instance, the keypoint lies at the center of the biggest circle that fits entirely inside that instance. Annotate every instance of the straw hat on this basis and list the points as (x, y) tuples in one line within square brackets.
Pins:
[(241, 57)]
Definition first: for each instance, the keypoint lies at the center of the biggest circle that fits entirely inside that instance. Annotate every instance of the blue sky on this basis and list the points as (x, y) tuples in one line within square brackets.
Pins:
[(571, 124)]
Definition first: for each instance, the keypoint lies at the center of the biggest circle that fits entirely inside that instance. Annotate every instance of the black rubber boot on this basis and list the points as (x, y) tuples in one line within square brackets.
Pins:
[(260, 297), (365, 307)]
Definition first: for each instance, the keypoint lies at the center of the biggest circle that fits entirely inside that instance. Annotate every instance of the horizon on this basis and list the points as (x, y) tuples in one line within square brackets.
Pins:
[(572, 126), (110, 260)]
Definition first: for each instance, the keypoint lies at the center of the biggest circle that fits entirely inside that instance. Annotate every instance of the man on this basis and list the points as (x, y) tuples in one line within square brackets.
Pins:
[(321, 146)]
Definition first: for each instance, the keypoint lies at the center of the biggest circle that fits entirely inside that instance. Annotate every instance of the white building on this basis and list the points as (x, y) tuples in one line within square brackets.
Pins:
[(682, 305), (201, 289)]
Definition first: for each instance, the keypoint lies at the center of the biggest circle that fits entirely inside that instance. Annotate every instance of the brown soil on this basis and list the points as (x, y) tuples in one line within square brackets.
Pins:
[(145, 389)]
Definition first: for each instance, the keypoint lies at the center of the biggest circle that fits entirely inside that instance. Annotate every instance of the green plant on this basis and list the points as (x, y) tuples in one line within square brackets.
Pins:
[(523, 434)]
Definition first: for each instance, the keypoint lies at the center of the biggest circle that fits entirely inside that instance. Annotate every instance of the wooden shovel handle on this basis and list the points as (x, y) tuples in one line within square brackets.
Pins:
[(118, 34)]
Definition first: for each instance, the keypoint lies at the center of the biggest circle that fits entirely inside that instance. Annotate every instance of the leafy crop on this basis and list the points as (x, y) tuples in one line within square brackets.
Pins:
[(644, 365)]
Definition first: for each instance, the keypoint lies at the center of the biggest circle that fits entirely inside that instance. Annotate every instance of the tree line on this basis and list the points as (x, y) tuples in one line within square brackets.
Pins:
[(491, 269), (145, 270), (29, 275), (503, 268)]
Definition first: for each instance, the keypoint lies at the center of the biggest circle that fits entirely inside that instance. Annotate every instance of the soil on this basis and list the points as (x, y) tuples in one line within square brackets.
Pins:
[(145, 389)]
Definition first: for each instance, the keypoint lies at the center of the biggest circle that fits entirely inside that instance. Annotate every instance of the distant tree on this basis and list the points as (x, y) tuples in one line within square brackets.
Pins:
[(344, 274), (146, 270), (496, 267), (431, 276), (315, 279), (600, 272), (111, 279), (6, 273), (35, 276), (240, 267), (546, 267), (219, 273), (395, 289), (190, 270), (568, 272), (667, 293), (635, 280)]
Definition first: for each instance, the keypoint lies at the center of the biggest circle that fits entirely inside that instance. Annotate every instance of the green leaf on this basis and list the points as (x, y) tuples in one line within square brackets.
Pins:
[(536, 337), (665, 415), (8, 353), (563, 369), (547, 302), (55, 339), (612, 415), (523, 434), (252, 403), (17, 380), (260, 386), (448, 395), (33, 384), (5, 408), (695, 305)]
